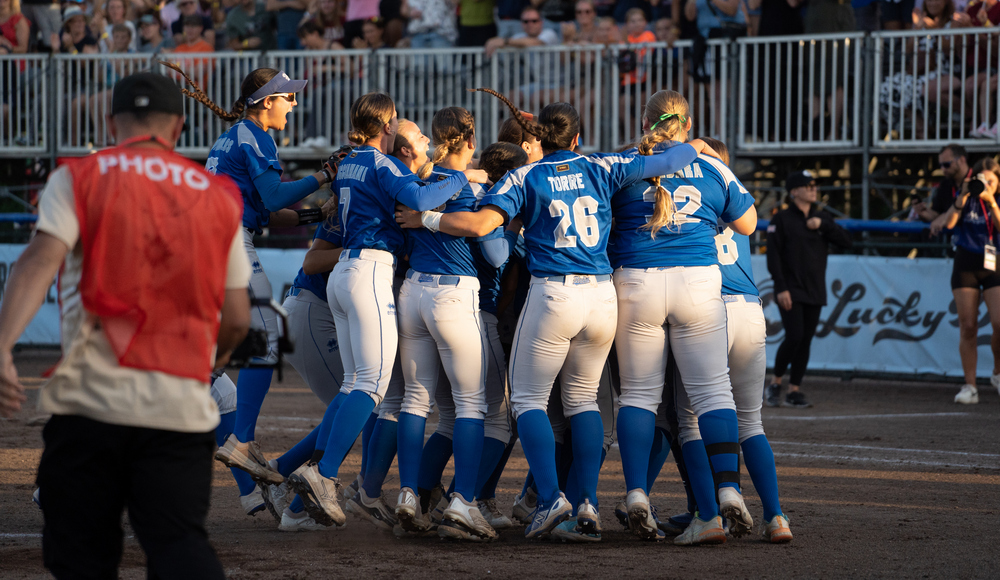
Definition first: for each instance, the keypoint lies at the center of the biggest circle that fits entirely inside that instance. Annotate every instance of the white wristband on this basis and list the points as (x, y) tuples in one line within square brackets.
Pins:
[(431, 220)]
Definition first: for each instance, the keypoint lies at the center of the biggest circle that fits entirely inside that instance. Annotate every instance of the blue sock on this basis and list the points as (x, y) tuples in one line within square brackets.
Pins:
[(468, 445), (411, 447), (720, 432), (299, 454), (381, 449), (636, 430), (437, 453), (489, 489), (251, 388), (760, 463), (700, 477), (564, 462), (588, 444), (540, 449), (222, 433), (297, 507), (347, 425), (493, 450), (529, 483), (657, 457), (366, 437), (324, 427), (675, 448)]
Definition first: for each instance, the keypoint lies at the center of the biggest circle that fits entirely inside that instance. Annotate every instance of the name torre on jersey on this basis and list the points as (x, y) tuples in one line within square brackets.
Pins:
[(355, 172), (566, 182), (154, 169)]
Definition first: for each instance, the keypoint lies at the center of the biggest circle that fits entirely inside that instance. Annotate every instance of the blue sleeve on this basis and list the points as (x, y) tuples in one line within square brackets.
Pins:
[(507, 195), (259, 156), (329, 232), (738, 201), (496, 247), (423, 197), (670, 161), (277, 195)]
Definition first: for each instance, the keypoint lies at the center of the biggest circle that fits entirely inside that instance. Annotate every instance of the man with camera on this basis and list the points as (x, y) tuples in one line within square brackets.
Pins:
[(144, 321), (955, 167)]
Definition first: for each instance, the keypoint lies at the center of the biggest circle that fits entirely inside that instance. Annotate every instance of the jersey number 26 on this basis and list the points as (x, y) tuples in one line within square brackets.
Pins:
[(583, 220)]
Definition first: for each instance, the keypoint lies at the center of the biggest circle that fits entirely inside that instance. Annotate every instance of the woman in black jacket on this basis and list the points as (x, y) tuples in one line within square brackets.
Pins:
[(797, 242)]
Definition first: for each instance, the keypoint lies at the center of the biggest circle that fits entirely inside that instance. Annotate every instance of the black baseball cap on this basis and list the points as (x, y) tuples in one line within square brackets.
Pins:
[(147, 92), (798, 179)]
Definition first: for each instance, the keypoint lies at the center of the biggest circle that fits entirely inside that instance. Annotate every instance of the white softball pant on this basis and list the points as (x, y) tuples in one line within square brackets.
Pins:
[(317, 354), (392, 402), (497, 408), (364, 311), (440, 328), (566, 329), (224, 392), (261, 318), (747, 366), (607, 402), (677, 309)]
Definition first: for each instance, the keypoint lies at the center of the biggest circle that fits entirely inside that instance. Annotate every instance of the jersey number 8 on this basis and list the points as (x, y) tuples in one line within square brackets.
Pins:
[(584, 219)]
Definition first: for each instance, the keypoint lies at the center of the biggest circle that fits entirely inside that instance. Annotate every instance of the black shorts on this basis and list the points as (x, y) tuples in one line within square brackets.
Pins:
[(968, 272)]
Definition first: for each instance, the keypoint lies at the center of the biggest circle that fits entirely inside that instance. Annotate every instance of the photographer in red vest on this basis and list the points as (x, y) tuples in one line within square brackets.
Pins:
[(153, 295)]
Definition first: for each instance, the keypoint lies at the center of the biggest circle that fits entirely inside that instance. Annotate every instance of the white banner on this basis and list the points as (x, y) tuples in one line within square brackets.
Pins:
[(890, 315)]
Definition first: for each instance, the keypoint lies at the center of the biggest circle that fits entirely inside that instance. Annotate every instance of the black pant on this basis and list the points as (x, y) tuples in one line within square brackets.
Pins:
[(90, 471), (800, 326)]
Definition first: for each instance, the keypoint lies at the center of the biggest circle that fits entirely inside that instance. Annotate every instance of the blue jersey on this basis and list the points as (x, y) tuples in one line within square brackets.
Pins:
[(734, 262), (703, 193), (316, 283), (367, 183), (564, 200), (244, 152), (441, 253), (973, 232)]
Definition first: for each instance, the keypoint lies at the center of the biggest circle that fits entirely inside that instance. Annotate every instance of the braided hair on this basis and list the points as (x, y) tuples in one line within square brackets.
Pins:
[(555, 127), (253, 81), (369, 113), (450, 128), (667, 113)]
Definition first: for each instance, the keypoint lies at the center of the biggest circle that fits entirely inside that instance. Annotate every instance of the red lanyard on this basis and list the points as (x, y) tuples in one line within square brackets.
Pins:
[(988, 218)]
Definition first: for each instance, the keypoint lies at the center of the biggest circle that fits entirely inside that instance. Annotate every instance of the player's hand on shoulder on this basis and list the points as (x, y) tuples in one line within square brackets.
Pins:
[(702, 147), (408, 218), (476, 176), (329, 208)]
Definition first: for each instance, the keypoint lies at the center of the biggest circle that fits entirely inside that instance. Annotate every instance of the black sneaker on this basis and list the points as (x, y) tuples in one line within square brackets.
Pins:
[(772, 395), (796, 400)]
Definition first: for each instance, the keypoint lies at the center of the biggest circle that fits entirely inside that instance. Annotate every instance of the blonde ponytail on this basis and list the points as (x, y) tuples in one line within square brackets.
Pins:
[(667, 115)]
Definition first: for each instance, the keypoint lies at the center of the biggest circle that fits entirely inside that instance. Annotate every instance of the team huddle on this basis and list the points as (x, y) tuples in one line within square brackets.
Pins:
[(632, 309)]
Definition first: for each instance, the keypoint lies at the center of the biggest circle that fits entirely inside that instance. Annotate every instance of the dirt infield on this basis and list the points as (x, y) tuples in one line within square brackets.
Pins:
[(880, 479)]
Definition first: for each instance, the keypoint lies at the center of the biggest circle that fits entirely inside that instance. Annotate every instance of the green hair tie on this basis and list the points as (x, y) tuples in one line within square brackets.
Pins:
[(666, 116)]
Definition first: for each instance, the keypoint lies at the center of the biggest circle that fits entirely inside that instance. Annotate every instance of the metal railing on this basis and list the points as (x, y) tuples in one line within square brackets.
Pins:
[(853, 93), (933, 87)]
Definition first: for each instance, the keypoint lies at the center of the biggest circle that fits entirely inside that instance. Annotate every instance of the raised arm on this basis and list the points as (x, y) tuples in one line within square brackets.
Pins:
[(277, 195), (423, 197)]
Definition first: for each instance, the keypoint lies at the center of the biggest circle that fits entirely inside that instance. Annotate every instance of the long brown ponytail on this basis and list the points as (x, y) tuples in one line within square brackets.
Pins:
[(253, 81), (555, 127)]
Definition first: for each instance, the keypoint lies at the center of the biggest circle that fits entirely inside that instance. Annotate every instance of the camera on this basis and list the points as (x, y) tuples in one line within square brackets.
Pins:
[(255, 346), (978, 184)]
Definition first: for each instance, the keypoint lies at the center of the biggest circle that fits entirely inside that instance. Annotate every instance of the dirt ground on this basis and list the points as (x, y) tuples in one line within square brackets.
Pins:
[(880, 479)]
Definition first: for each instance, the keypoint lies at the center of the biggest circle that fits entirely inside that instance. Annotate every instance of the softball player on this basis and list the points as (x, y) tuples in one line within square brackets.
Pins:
[(369, 184), (567, 324), (248, 155), (669, 298)]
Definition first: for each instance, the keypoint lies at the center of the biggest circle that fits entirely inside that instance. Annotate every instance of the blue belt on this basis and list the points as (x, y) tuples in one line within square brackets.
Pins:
[(442, 280), (562, 279), (351, 254), (293, 291)]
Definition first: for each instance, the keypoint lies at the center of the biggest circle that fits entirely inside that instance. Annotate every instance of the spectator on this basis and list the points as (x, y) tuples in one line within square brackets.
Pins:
[(14, 30), (329, 15), (359, 12), (191, 8), (666, 31), (866, 15), (607, 31), (432, 23), (112, 14), (636, 33), (554, 12), (372, 34), (475, 21), (717, 18), (288, 15), (199, 69), (311, 37), (76, 37), (45, 19), (982, 85), (249, 26), (395, 24), (779, 18), (622, 8), (976, 220), (151, 35), (797, 245), (533, 33), (584, 28), (822, 16), (508, 17), (896, 14)]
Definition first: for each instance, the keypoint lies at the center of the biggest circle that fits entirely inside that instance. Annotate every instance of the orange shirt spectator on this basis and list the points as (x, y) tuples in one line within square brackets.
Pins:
[(635, 28), (199, 69)]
